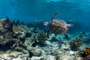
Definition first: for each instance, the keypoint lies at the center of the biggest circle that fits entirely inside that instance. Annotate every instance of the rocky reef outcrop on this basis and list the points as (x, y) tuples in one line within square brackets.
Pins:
[(25, 42)]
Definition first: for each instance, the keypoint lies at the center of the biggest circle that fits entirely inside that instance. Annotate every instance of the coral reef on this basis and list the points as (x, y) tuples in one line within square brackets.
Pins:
[(85, 55), (8, 24), (42, 37), (8, 36), (76, 43), (16, 28), (34, 51), (31, 43)]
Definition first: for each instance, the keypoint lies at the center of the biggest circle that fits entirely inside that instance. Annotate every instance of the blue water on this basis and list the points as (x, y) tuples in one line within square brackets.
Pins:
[(28, 10)]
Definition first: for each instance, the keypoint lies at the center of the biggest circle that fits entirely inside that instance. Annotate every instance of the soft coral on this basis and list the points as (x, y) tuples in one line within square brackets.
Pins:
[(85, 55)]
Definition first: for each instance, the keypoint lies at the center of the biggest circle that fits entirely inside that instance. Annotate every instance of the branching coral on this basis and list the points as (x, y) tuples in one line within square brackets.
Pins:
[(16, 28), (85, 55), (76, 43), (10, 25), (1, 25), (8, 37), (41, 37), (7, 24)]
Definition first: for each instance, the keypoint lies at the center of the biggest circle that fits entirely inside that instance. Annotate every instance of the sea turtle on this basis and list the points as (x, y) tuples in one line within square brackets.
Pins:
[(57, 26)]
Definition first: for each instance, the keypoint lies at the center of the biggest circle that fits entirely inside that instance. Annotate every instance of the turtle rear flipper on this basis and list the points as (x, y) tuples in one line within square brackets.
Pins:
[(53, 16), (66, 35), (48, 33)]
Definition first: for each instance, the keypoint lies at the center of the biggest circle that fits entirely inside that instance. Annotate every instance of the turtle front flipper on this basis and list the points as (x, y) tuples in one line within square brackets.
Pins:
[(53, 16), (48, 33), (66, 35)]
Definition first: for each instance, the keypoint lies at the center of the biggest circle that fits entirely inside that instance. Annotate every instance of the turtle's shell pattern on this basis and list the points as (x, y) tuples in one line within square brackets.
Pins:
[(58, 26)]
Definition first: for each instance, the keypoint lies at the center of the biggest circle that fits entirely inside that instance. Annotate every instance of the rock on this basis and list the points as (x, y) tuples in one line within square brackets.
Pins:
[(29, 58), (48, 42), (34, 51), (28, 34), (58, 57), (25, 51), (17, 58), (36, 58), (57, 52), (65, 47), (15, 55), (49, 57), (65, 55), (51, 36), (24, 55), (72, 52), (24, 58), (22, 34)]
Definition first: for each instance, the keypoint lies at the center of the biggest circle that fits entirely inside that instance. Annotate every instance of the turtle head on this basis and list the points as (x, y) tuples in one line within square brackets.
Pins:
[(46, 23), (69, 25)]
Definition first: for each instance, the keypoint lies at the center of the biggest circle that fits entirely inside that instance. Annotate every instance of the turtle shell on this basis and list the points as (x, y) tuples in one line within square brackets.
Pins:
[(58, 26)]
